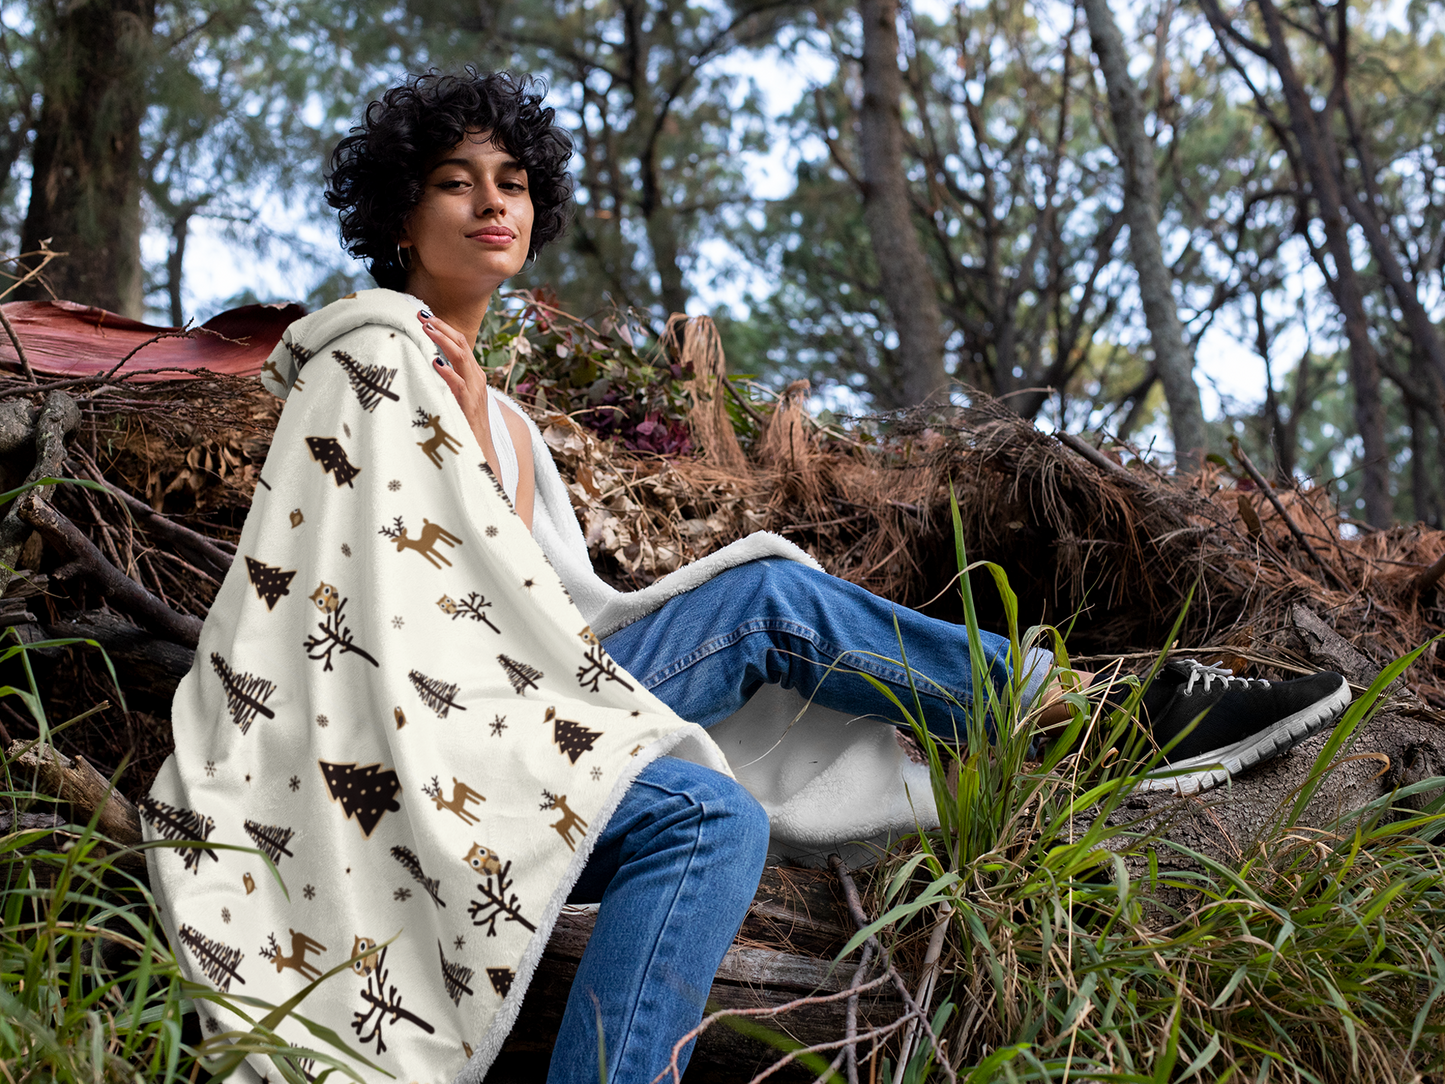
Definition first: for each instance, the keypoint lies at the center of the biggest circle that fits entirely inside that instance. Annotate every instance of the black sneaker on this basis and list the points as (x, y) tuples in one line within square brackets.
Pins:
[(1249, 720)]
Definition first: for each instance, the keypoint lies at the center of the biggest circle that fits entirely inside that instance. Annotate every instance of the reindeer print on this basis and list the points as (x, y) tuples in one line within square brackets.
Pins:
[(569, 819), (483, 860), (440, 438), (462, 796), (301, 944), (431, 534)]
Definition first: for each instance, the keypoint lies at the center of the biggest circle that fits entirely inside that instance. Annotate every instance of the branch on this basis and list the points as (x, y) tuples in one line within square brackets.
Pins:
[(1268, 491), (19, 350), (152, 614)]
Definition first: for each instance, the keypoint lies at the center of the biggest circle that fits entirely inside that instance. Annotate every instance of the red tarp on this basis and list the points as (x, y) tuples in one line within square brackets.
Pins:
[(64, 339)]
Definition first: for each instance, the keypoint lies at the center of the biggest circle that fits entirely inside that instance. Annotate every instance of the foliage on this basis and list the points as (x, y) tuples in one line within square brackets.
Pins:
[(1082, 946)]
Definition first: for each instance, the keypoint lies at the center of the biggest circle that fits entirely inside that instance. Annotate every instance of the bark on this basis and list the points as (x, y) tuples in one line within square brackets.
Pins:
[(1141, 211), (907, 283), (85, 189)]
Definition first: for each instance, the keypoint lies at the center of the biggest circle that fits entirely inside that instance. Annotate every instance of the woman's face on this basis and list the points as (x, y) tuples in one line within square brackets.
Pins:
[(473, 226)]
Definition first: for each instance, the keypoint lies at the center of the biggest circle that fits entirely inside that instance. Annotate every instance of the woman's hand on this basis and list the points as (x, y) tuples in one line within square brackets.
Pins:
[(469, 384)]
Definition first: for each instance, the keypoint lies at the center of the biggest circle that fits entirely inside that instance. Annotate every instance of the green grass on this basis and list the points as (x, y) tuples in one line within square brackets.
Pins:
[(1074, 947), (1073, 952)]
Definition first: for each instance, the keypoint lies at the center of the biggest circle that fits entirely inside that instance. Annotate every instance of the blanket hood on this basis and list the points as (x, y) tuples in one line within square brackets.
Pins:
[(387, 310)]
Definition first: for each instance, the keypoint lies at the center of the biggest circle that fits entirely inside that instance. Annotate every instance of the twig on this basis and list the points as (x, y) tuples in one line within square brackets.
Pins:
[(19, 350), (860, 917), (153, 614), (1268, 491)]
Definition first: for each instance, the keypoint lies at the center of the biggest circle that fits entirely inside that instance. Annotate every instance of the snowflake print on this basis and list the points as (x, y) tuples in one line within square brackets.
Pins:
[(345, 550), (322, 721), (295, 782), (397, 622), (309, 892), (401, 895), (596, 774), (212, 1025), (394, 484), (460, 943), (497, 725), (211, 769), (491, 532), (226, 915)]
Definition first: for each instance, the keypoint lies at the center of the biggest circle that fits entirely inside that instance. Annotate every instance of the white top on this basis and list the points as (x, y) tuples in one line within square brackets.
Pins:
[(502, 442)]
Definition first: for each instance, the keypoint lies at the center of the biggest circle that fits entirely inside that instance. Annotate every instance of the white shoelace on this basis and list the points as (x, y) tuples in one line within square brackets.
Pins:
[(1212, 673)]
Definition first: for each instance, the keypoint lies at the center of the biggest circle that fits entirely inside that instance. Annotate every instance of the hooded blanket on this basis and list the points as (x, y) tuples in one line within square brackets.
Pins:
[(399, 738)]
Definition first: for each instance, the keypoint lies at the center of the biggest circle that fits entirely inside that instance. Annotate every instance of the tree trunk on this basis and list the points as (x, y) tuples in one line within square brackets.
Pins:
[(85, 188), (1316, 162), (908, 284), (1141, 211)]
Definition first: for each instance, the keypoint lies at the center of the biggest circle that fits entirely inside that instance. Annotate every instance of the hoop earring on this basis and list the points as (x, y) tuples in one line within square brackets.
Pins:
[(531, 260), (405, 265)]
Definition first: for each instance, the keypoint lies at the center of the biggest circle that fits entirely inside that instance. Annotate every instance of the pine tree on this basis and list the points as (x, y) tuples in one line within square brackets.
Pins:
[(412, 865), (369, 383), (435, 693), (501, 979), (271, 838), (171, 822), (218, 962), (332, 456), (367, 792), (572, 738), (270, 582), (522, 676), (501, 492), (456, 976), (246, 694)]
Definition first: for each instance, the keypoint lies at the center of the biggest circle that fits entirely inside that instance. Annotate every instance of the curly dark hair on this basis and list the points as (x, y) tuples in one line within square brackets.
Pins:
[(379, 169)]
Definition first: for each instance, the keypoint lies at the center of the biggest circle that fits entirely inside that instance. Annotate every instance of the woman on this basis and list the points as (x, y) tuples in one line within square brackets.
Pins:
[(450, 185)]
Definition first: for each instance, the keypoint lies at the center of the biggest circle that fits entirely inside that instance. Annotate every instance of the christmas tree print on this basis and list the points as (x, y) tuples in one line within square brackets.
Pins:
[(300, 354), (332, 456), (269, 581), (271, 839), (171, 822), (246, 694), (218, 962), (367, 793), (495, 484), (499, 902), (370, 383), (470, 607), (412, 865), (334, 634), (522, 676), (435, 693), (501, 979), (382, 1000), (572, 738), (598, 667), (456, 977)]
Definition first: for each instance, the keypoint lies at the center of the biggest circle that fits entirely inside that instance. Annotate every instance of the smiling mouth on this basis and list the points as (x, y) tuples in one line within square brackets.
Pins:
[(494, 235)]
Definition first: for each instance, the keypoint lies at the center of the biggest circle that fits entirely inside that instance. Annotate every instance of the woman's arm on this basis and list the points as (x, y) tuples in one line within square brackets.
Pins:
[(469, 384)]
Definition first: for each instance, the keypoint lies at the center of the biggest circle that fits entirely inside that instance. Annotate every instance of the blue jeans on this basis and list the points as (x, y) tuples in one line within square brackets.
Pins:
[(674, 872), (706, 652), (679, 862)]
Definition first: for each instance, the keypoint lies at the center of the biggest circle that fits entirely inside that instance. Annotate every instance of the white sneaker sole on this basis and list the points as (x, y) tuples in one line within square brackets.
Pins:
[(1218, 765)]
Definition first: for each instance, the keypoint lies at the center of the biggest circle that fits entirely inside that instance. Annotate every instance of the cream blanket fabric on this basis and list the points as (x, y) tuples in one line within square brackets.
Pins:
[(396, 702)]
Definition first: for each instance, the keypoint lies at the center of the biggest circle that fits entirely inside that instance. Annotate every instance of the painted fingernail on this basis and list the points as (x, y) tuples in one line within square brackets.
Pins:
[(424, 314), (442, 361)]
